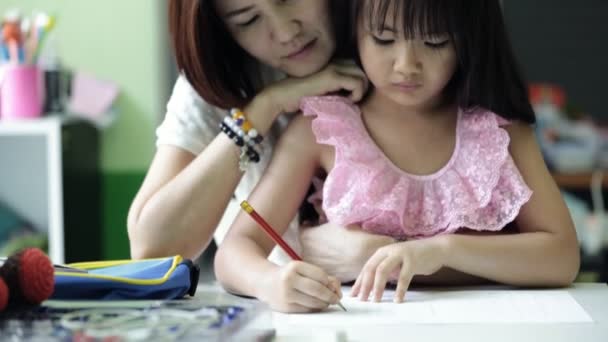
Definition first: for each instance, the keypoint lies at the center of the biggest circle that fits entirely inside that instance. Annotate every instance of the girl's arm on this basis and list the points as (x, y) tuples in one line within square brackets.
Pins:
[(183, 197), (343, 251), (241, 263), (544, 253)]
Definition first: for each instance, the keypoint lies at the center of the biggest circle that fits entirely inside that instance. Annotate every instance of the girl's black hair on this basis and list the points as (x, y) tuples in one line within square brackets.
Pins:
[(487, 73)]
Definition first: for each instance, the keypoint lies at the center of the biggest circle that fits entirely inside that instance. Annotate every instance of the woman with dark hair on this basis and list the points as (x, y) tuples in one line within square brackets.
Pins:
[(439, 156), (261, 56)]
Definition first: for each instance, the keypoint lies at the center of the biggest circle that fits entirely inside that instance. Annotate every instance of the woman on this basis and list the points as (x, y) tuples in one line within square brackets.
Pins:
[(231, 53)]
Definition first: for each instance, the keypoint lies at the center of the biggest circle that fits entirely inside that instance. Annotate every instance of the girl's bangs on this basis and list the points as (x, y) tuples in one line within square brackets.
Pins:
[(419, 18)]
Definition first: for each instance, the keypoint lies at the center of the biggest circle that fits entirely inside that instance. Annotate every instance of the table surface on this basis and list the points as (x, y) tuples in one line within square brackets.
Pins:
[(593, 297)]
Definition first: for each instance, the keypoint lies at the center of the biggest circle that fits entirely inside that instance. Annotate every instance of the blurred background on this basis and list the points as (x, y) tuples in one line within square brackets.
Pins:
[(69, 169)]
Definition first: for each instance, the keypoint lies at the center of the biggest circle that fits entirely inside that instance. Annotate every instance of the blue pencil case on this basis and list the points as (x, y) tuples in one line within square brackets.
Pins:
[(162, 278)]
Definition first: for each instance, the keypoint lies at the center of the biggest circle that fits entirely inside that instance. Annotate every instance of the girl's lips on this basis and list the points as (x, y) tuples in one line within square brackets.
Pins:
[(407, 86)]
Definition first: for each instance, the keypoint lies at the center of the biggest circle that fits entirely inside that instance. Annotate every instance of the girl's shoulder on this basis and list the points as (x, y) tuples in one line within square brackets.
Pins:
[(482, 119), (335, 118), (329, 107)]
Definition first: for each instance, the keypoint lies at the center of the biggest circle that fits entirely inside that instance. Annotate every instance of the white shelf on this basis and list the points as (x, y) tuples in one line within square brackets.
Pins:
[(31, 176)]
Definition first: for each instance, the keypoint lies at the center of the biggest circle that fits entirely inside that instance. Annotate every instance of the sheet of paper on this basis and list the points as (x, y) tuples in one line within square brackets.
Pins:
[(91, 97), (449, 307)]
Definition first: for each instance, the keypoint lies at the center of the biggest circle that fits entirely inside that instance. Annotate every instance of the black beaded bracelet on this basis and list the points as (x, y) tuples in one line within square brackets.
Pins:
[(248, 152)]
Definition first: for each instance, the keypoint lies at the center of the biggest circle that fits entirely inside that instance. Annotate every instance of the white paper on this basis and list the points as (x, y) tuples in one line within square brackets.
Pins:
[(449, 307)]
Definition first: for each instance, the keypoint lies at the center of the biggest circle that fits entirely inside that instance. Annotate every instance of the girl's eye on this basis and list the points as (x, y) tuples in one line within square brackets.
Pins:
[(437, 45), (248, 22)]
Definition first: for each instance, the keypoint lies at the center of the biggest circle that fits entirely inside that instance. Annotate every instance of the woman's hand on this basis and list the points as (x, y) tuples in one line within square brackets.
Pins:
[(300, 287), (340, 251), (401, 261), (285, 95)]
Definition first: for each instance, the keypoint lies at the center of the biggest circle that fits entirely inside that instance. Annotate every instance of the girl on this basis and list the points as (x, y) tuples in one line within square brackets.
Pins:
[(230, 53), (441, 147)]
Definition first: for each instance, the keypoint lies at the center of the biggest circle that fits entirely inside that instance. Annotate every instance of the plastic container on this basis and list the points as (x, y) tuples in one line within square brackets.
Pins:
[(21, 92)]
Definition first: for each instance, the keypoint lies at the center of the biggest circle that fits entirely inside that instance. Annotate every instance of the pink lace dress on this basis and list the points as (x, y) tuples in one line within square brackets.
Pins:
[(480, 188)]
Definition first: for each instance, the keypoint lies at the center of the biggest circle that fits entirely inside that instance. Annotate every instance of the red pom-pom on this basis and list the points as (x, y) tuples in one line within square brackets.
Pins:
[(3, 295), (36, 276)]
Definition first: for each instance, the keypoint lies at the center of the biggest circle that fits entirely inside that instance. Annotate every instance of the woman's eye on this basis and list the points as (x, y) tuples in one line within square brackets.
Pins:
[(248, 22), (383, 41)]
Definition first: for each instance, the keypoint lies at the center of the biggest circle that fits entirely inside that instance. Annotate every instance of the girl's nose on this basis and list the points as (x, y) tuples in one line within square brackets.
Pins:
[(406, 60)]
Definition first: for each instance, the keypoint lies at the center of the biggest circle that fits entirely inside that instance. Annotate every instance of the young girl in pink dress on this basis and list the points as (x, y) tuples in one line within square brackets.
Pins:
[(440, 148)]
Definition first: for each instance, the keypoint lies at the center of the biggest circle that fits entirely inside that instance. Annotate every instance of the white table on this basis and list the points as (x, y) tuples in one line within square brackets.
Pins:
[(592, 297)]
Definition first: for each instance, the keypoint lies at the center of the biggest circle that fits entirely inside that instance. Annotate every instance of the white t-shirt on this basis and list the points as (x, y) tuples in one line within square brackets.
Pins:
[(191, 124)]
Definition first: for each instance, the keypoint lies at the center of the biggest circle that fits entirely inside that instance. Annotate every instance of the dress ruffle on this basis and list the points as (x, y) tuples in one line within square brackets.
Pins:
[(479, 188)]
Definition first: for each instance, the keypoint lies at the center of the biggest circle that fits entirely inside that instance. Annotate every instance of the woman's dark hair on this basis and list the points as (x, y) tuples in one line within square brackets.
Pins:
[(487, 74), (220, 71)]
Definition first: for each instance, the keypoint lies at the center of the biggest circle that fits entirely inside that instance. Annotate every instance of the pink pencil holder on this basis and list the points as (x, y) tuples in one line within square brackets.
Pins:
[(21, 92)]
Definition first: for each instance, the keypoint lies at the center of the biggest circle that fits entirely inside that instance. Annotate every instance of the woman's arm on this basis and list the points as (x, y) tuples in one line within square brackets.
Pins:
[(241, 263), (544, 253), (183, 197)]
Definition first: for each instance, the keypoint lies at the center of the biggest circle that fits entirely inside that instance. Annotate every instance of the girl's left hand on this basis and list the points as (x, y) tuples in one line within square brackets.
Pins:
[(400, 261)]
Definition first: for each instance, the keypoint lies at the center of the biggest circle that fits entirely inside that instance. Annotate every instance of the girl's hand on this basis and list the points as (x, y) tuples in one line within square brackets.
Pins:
[(300, 287), (404, 259), (340, 251), (285, 95)]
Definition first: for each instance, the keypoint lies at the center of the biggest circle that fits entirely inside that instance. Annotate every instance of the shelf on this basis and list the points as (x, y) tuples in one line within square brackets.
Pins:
[(49, 175), (49, 122), (29, 126), (577, 180)]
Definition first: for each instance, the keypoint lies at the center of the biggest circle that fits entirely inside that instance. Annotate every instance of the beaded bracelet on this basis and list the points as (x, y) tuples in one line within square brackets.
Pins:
[(239, 129), (240, 133), (240, 120), (246, 149)]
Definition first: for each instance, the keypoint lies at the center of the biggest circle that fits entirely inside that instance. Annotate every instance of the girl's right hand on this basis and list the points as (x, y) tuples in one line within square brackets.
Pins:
[(343, 75), (300, 287)]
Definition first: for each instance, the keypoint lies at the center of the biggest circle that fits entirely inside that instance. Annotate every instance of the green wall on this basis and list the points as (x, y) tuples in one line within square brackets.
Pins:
[(124, 42)]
